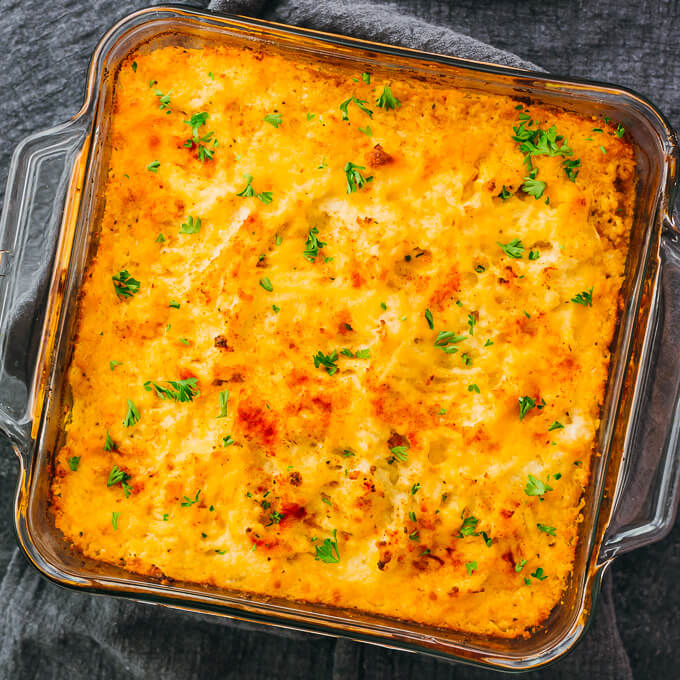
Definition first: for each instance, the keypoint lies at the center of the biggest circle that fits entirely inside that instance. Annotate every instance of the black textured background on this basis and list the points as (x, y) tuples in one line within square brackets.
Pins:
[(46, 48)]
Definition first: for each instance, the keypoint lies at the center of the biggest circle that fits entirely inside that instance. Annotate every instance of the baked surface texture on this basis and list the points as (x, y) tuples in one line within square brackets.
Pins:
[(387, 375)]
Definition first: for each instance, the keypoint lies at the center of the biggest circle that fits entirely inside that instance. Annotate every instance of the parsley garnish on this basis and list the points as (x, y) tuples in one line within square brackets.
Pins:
[(546, 529), (399, 453), (266, 284), (414, 536), (228, 440), (535, 487), (513, 249), (355, 180), (224, 398), (473, 388), (414, 491), (327, 361), (265, 196), (526, 404), (191, 226), (328, 551), (468, 527), (470, 566), (620, 131), (153, 166), (584, 298), (164, 100), (366, 77), (275, 517), (361, 103), (134, 67), (533, 187), (124, 285), (174, 304), (505, 193), (74, 462), (190, 501), (160, 238), (114, 520), (471, 322), (312, 245), (366, 130), (273, 119), (556, 426), (429, 319), (179, 390), (534, 254), (117, 476), (570, 168), (276, 308), (363, 354), (446, 339), (132, 415), (204, 153), (387, 100), (113, 364), (520, 565), (109, 444), (539, 574)]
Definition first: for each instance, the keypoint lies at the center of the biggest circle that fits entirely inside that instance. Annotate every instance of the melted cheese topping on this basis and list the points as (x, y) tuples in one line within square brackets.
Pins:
[(413, 461)]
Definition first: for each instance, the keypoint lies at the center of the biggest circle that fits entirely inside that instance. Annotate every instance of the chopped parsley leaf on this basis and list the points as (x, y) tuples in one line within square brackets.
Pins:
[(414, 536), (429, 319), (539, 574), (471, 322), (473, 388), (174, 304), (312, 245), (134, 67), (526, 404), (191, 226), (276, 308), (265, 196), (153, 166), (620, 131), (488, 343), (383, 306), (533, 187), (204, 152), (400, 453), (570, 169), (446, 339), (355, 180), (363, 354), (505, 193), (266, 284), (414, 490), (520, 565), (179, 390), (584, 298), (113, 364), (556, 426), (188, 502), (109, 444), (470, 566), (164, 100), (534, 254), (535, 487), (366, 77), (327, 361), (545, 528), (114, 520), (228, 440), (273, 119), (328, 551), (160, 238), (468, 527), (361, 103), (366, 130), (132, 415), (124, 285), (73, 462), (224, 398), (513, 249), (387, 100)]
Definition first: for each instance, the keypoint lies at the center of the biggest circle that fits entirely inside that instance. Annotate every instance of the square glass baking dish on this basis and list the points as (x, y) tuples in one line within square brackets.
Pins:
[(48, 231)]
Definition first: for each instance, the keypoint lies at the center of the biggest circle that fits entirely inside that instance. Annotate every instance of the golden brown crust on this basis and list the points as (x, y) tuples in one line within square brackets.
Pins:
[(414, 459)]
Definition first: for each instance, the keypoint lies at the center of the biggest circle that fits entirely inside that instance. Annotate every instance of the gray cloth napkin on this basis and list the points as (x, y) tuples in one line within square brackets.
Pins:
[(47, 632)]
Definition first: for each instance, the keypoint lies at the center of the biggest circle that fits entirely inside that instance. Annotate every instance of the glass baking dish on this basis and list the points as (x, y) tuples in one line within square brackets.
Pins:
[(48, 231)]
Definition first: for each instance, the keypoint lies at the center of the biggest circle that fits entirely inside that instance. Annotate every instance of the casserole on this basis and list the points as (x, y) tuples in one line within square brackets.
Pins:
[(76, 154)]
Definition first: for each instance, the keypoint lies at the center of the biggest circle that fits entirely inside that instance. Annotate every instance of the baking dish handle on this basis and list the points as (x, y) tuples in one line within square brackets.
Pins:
[(30, 224), (646, 499)]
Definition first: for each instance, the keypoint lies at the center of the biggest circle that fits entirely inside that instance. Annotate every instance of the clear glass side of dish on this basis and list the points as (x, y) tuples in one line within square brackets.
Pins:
[(48, 232)]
